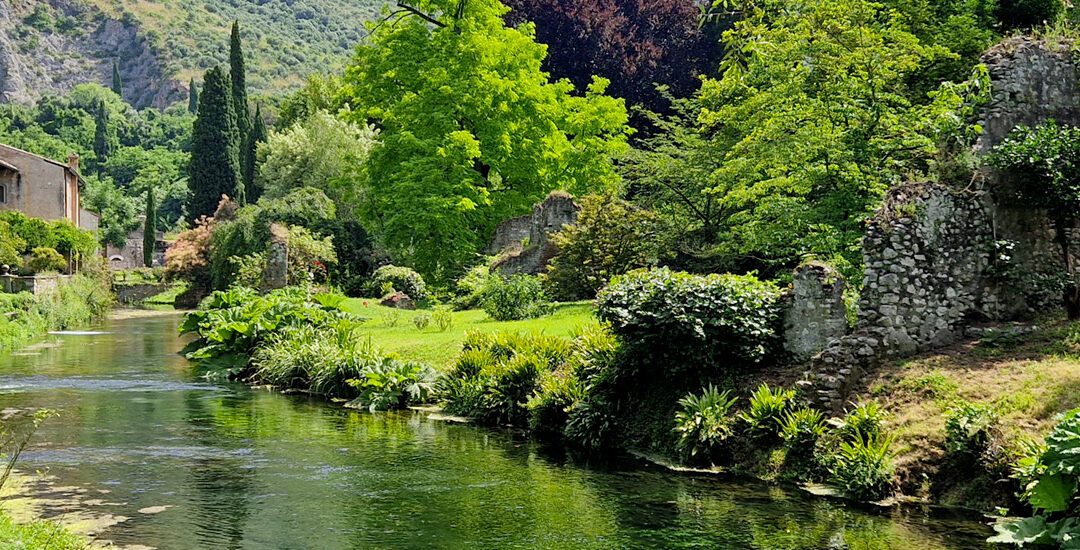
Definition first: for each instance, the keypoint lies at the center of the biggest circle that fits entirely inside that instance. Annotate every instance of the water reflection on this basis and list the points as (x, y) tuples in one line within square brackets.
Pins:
[(243, 468)]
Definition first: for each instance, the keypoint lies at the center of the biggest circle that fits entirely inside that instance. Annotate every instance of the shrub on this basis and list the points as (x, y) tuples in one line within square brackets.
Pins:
[(703, 424), (863, 422), (1025, 14), (394, 384), (969, 432), (443, 318), (684, 321), (44, 258), (514, 298), (470, 288), (610, 237), (549, 407), (863, 468), (188, 259), (766, 409), (309, 256), (1053, 491), (421, 321), (801, 430), (402, 279)]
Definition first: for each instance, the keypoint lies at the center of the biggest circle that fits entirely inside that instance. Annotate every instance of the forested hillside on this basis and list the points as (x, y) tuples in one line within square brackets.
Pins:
[(159, 45)]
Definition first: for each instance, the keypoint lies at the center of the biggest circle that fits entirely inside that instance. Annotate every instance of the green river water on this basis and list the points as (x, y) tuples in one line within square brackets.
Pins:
[(215, 466)]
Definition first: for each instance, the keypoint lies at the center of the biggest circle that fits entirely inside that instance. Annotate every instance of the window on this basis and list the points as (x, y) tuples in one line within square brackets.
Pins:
[(3, 194)]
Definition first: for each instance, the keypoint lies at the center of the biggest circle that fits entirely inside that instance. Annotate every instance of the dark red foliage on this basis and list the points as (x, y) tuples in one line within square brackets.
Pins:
[(633, 43)]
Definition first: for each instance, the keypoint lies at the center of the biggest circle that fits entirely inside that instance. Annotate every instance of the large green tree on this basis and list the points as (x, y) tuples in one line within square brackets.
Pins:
[(215, 165), (815, 120), (472, 130), (105, 141), (238, 73)]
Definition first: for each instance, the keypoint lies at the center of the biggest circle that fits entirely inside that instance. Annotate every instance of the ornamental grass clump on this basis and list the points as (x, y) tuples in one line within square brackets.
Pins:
[(704, 424), (801, 431), (766, 408), (864, 468)]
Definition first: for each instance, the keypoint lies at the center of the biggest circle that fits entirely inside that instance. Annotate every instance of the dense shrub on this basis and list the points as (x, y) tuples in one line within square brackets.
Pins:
[(969, 432), (863, 468), (716, 323), (1053, 491), (391, 383), (469, 289), (403, 279), (704, 424), (549, 407), (188, 258), (514, 298), (610, 237), (765, 411), (44, 258)]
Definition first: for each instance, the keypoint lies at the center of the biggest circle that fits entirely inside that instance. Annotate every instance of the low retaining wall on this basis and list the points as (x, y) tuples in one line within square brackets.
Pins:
[(34, 284)]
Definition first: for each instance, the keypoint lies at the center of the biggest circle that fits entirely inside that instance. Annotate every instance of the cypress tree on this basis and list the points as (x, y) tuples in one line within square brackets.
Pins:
[(255, 137), (215, 163), (239, 82), (117, 84), (149, 240), (193, 98), (105, 141)]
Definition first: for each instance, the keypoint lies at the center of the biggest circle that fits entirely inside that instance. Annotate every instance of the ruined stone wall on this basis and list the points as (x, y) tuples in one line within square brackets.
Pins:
[(523, 243), (814, 310)]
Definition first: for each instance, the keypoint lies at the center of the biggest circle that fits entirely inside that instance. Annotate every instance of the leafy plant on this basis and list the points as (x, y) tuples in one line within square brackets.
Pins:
[(514, 298), (766, 409), (443, 317), (703, 423), (801, 430), (863, 468), (969, 431), (421, 320), (44, 258), (1053, 490), (394, 384), (549, 407), (863, 422)]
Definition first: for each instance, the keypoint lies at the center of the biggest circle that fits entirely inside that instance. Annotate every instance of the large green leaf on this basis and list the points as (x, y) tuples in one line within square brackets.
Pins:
[(1052, 492), (1063, 447), (1025, 531)]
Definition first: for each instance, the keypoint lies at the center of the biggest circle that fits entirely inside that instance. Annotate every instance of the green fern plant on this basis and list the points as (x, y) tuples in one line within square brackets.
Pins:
[(703, 423), (864, 469), (767, 406)]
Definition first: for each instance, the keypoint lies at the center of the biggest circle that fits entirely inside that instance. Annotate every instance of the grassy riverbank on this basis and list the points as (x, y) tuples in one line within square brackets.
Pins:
[(75, 303), (392, 330)]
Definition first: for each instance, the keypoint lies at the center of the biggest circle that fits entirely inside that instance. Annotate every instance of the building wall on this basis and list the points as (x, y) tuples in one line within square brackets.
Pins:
[(42, 189)]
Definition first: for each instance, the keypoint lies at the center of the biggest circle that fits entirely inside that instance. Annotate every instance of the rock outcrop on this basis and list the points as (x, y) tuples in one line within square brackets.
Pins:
[(523, 244)]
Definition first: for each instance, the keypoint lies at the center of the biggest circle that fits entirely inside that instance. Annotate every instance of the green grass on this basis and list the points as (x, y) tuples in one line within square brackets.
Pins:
[(437, 348), (37, 535)]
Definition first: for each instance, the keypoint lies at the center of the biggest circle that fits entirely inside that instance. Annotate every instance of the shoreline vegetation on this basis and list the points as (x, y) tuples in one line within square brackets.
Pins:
[(934, 429)]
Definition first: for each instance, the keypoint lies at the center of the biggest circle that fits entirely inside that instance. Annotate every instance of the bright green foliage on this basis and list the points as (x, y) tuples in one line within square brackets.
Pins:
[(549, 407), (863, 422), (610, 237), (193, 97), (683, 322), (256, 136), (514, 298), (767, 407), (105, 142), (863, 468), (969, 432), (238, 75), (1044, 163), (1053, 490), (21, 235), (149, 229), (320, 93), (320, 151), (395, 384), (402, 279), (215, 164), (813, 113), (801, 431), (470, 287), (472, 131), (44, 258), (117, 83), (310, 256), (704, 424)]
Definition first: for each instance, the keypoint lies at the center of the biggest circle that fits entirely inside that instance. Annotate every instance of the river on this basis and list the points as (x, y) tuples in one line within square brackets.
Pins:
[(178, 463)]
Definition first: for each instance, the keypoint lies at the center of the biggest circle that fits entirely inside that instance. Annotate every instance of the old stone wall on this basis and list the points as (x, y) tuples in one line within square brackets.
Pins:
[(523, 244), (814, 310)]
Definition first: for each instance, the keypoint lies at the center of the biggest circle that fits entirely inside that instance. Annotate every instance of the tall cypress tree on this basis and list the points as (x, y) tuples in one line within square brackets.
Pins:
[(215, 162), (117, 84), (149, 240), (105, 141), (239, 82), (193, 98), (255, 137)]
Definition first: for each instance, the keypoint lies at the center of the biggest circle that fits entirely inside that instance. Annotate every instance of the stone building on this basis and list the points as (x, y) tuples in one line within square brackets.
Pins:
[(130, 256), (42, 188)]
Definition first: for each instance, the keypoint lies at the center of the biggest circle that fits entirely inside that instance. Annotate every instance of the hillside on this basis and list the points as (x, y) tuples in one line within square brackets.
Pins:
[(53, 45)]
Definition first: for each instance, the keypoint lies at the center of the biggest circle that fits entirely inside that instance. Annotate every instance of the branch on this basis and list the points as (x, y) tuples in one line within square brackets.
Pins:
[(421, 15)]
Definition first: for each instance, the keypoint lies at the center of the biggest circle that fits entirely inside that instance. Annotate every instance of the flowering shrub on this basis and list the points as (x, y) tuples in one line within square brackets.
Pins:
[(188, 258)]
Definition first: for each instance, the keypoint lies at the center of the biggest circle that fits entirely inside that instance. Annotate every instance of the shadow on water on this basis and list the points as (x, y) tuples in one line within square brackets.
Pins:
[(234, 467)]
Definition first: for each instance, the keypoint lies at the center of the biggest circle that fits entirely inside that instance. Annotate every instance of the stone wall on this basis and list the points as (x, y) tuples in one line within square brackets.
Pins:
[(35, 284), (814, 310), (523, 244), (137, 292)]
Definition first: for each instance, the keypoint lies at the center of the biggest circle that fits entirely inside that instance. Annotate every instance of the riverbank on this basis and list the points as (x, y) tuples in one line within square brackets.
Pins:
[(75, 303)]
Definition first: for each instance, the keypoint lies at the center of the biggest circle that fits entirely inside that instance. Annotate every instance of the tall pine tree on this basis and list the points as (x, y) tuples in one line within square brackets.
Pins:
[(255, 137), (215, 163), (193, 98), (105, 141), (149, 228), (117, 83), (239, 82)]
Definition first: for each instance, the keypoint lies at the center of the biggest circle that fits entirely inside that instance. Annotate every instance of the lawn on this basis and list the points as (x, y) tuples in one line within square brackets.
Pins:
[(393, 330)]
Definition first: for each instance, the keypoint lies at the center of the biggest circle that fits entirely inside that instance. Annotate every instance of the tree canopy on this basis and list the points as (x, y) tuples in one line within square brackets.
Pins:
[(215, 166), (473, 131)]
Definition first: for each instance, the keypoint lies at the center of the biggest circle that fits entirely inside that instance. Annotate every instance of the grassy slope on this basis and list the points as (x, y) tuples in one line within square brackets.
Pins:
[(439, 348), (284, 39), (1027, 379)]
